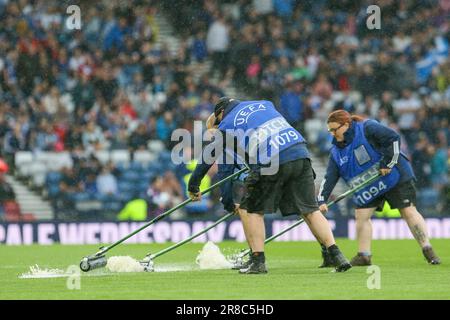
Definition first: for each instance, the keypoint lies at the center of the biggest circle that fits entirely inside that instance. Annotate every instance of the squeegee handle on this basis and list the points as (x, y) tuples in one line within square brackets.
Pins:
[(161, 216), (353, 190), (176, 245)]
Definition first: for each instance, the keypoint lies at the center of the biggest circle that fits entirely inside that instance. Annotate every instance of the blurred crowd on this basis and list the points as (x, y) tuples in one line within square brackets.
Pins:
[(116, 84), (109, 86)]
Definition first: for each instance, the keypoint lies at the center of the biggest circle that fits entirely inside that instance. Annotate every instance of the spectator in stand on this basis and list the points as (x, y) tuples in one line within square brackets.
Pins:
[(90, 185), (420, 162), (291, 105), (199, 48), (323, 88), (406, 107), (84, 93), (93, 137), (159, 198), (7, 193), (45, 138), (138, 139), (439, 165), (164, 127), (70, 185), (14, 141), (217, 42), (107, 182)]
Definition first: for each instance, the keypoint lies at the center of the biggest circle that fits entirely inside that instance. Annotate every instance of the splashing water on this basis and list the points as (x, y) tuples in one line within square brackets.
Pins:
[(37, 272), (124, 264), (210, 257)]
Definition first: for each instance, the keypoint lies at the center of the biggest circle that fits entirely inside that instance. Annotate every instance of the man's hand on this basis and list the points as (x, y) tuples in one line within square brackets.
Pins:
[(323, 208), (385, 171), (195, 196)]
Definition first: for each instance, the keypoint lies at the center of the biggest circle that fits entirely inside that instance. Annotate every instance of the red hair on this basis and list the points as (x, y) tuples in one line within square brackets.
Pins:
[(343, 117)]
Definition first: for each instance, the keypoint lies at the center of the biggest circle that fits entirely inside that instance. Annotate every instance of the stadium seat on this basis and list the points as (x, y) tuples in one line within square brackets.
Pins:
[(337, 96), (147, 174), (130, 176), (355, 96), (23, 157), (165, 157), (43, 157), (125, 186), (22, 160), (143, 195), (53, 177), (427, 199), (27, 217), (144, 157), (122, 167), (156, 146), (143, 185), (135, 166), (59, 160), (126, 196), (312, 128), (120, 156), (155, 167), (103, 156), (39, 179), (112, 205), (37, 168)]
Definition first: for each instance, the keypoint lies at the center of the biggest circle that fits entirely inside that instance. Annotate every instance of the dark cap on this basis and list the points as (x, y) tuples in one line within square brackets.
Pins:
[(222, 104)]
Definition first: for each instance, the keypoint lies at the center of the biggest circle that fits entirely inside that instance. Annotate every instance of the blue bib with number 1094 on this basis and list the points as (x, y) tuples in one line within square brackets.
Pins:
[(359, 161), (261, 131)]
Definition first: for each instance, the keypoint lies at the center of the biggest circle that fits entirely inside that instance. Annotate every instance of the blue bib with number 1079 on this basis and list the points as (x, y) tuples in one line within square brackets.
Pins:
[(261, 131), (358, 162)]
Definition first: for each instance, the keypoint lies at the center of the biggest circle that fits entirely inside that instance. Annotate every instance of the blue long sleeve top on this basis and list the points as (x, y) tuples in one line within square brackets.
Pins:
[(384, 140)]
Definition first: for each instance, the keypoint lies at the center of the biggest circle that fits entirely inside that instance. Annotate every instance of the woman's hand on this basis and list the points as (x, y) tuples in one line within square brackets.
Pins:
[(323, 208)]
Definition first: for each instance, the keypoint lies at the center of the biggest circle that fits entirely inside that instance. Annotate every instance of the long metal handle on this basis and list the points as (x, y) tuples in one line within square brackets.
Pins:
[(351, 191), (176, 245), (162, 215)]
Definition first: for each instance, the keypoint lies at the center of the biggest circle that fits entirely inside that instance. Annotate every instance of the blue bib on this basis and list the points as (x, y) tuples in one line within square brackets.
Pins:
[(359, 161), (261, 130)]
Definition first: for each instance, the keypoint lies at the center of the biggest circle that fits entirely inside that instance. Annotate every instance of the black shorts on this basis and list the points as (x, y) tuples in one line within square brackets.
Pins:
[(401, 196), (291, 190)]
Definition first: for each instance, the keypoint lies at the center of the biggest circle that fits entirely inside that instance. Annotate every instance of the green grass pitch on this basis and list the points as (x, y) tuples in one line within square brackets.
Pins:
[(293, 274)]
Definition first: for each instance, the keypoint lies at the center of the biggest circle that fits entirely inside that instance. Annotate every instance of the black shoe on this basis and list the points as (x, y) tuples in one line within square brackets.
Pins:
[(327, 260), (343, 266), (254, 268), (241, 264), (430, 256), (341, 263), (360, 260)]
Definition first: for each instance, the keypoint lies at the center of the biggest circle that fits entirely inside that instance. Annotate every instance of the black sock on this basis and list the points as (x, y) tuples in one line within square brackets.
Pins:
[(258, 257), (333, 249)]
